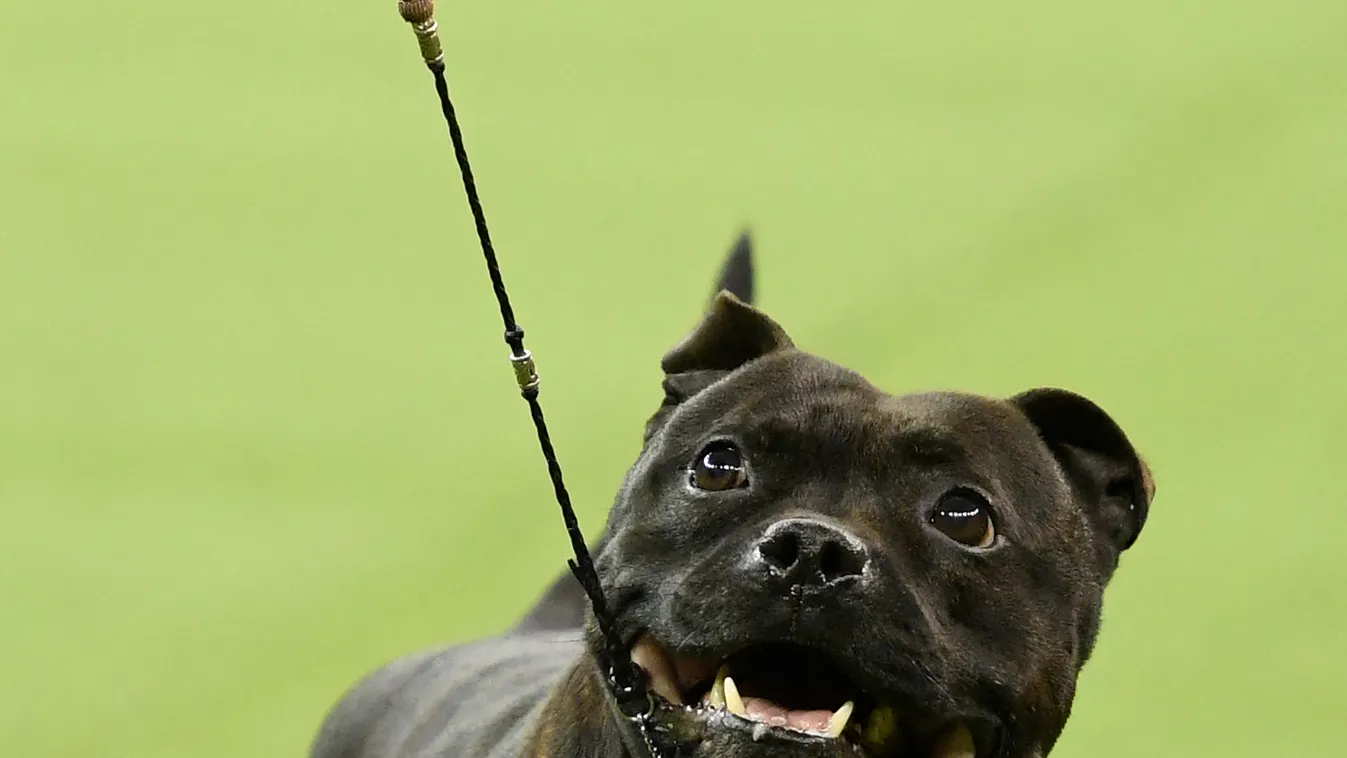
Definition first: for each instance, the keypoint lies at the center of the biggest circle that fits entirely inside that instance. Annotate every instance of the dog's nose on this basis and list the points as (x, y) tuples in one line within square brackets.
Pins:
[(810, 553)]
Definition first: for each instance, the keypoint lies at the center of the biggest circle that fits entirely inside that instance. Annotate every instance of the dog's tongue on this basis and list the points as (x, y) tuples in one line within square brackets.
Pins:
[(760, 709)]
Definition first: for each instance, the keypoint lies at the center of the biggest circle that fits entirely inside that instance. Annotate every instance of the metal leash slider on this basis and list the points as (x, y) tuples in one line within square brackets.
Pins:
[(525, 372), (421, 15)]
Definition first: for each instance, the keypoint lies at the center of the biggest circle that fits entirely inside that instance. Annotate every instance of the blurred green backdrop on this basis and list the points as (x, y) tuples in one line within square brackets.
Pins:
[(257, 435)]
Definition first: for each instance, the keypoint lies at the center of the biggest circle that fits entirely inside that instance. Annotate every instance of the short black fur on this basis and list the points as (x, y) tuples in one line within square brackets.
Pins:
[(992, 637)]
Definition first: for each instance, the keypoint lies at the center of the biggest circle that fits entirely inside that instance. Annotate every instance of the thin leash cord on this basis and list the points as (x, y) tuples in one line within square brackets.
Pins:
[(582, 565), (624, 677), (618, 662), (514, 335)]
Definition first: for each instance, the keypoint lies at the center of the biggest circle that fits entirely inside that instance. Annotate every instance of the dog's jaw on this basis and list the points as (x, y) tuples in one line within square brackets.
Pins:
[(702, 701)]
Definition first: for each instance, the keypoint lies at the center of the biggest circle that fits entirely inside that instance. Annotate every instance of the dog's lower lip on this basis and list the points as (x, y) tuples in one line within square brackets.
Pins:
[(790, 697), (709, 693)]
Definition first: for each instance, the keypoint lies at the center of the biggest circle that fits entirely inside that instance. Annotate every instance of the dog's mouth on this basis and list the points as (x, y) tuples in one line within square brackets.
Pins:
[(786, 690)]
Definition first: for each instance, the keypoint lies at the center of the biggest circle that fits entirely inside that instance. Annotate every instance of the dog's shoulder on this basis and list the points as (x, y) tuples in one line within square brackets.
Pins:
[(351, 726), (479, 699)]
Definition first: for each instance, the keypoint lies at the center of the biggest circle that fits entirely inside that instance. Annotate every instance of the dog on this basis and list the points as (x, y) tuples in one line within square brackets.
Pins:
[(804, 566)]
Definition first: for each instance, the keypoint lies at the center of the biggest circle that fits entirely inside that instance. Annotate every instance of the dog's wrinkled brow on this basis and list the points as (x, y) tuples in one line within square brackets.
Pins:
[(825, 431), (931, 447)]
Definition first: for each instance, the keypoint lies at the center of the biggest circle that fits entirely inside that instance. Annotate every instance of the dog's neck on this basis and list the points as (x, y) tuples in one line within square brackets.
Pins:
[(578, 718)]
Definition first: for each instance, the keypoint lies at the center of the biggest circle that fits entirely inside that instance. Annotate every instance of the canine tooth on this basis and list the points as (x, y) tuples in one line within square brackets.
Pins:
[(733, 702), (881, 726), (957, 743), (759, 730), (650, 656), (839, 719), (718, 689)]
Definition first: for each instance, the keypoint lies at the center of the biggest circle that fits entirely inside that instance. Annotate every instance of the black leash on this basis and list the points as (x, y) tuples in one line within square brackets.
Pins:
[(625, 679)]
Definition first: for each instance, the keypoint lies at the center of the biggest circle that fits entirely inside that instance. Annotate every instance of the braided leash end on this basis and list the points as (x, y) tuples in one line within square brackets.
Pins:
[(421, 15)]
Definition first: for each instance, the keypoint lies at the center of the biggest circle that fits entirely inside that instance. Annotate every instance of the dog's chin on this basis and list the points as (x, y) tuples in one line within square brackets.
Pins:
[(786, 699)]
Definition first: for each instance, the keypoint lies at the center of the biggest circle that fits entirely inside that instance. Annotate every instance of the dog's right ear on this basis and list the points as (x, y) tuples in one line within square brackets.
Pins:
[(731, 334)]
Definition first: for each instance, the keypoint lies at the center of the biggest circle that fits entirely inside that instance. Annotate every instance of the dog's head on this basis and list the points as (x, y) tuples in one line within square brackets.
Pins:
[(806, 565)]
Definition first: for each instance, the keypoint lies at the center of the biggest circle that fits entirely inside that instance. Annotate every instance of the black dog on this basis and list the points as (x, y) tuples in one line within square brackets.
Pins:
[(805, 566)]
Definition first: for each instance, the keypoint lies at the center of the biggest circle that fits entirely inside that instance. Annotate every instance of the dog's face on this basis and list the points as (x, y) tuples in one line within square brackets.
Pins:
[(808, 566)]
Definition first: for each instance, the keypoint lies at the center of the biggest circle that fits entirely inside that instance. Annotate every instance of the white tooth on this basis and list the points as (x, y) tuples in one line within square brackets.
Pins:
[(650, 656), (717, 696), (733, 702), (759, 729), (839, 720), (957, 743)]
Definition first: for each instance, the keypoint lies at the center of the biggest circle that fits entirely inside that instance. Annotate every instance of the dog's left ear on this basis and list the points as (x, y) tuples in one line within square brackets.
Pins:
[(1099, 460)]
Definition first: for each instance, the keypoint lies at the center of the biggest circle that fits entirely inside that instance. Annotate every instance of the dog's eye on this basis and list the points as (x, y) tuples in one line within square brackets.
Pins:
[(966, 518), (719, 467)]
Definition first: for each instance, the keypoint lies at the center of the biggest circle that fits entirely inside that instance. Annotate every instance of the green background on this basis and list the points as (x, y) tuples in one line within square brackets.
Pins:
[(257, 433)]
